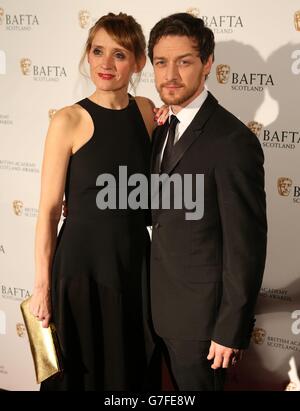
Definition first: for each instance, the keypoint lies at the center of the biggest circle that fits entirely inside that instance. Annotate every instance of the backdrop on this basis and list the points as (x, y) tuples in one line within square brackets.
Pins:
[(256, 75)]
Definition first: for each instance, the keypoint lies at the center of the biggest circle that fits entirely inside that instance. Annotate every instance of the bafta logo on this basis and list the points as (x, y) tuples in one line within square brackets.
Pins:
[(84, 18), (1, 15), (21, 330), (297, 20), (18, 207), (51, 113), (222, 72), (25, 64), (194, 11), (284, 185), (255, 127), (258, 335)]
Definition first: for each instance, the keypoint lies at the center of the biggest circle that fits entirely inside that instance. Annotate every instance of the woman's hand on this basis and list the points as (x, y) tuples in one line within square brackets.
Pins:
[(161, 114), (40, 305), (65, 209)]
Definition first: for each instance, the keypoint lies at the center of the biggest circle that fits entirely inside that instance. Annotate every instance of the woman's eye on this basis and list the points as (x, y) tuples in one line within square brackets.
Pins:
[(97, 52), (120, 56)]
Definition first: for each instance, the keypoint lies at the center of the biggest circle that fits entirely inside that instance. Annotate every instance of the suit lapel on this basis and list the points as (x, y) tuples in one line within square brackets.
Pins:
[(190, 135), (159, 137)]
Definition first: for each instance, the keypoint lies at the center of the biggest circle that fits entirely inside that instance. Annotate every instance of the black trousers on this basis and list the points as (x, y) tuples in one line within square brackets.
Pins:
[(189, 368)]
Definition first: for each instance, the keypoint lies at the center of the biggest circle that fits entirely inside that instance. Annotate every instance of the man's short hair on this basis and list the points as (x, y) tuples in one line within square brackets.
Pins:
[(184, 24)]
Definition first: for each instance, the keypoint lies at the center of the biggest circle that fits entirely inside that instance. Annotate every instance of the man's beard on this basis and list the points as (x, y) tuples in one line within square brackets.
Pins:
[(177, 101)]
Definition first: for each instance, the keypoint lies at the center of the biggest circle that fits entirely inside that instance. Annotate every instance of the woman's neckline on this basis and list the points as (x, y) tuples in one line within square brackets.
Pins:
[(130, 99)]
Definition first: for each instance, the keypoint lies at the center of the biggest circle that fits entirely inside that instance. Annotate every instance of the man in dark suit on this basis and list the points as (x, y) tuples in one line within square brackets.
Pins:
[(206, 273)]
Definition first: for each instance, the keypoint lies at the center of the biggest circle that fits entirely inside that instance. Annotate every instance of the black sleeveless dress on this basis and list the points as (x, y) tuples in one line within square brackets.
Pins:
[(100, 267)]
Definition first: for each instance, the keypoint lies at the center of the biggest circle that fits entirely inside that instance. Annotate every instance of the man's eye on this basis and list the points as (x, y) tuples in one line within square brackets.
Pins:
[(184, 62), (160, 63)]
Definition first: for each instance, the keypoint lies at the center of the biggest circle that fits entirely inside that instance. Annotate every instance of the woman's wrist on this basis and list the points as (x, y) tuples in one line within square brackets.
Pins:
[(42, 287)]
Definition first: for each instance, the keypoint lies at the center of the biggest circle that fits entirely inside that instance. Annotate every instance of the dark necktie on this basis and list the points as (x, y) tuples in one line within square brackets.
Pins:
[(170, 143)]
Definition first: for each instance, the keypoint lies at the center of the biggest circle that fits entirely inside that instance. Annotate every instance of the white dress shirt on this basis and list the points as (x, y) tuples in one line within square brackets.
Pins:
[(185, 117)]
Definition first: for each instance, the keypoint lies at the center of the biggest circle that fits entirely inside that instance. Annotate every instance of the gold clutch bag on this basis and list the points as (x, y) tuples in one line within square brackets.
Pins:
[(43, 344)]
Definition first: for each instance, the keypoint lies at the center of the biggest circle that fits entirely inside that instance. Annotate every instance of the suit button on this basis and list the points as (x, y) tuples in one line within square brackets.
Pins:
[(156, 225)]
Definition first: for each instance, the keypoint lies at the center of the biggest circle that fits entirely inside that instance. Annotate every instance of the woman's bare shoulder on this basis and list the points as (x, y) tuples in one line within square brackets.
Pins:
[(145, 102), (69, 116)]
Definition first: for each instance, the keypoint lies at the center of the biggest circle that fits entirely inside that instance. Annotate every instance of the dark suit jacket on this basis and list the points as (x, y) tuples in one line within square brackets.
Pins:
[(206, 274)]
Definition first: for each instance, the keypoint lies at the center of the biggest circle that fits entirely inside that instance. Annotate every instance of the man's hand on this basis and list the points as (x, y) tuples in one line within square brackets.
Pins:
[(223, 357)]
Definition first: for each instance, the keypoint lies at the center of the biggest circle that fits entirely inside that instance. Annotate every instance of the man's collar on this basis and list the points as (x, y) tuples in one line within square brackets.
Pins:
[(190, 110)]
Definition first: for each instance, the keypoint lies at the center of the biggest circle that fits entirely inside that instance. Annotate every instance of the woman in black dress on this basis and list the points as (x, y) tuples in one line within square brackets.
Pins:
[(91, 279)]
